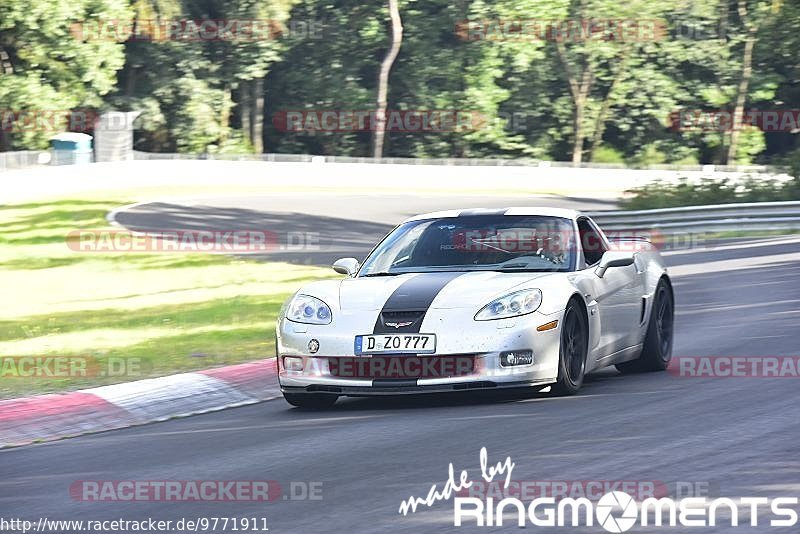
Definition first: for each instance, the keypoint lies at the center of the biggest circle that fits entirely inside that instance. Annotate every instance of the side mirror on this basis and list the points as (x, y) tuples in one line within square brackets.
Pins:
[(613, 259), (348, 266)]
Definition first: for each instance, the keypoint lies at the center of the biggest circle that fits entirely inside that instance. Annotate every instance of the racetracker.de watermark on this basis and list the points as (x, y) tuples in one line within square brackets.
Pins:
[(396, 367), (226, 30), (564, 489), (210, 523), (735, 367), (565, 30), (408, 121), (30, 367), (588, 489), (47, 120), (194, 490), (517, 240), (769, 120), (208, 241), (555, 241)]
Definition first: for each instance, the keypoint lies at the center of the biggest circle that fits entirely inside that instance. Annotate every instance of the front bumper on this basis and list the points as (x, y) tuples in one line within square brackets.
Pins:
[(458, 336), (411, 389)]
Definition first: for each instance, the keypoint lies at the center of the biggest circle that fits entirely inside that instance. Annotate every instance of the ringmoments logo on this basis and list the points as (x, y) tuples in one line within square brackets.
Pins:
[(611, 503), (615, 511), (618, 511)]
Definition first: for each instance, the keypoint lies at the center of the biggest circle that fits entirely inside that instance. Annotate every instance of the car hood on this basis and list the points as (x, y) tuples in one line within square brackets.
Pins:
[(431, 290)]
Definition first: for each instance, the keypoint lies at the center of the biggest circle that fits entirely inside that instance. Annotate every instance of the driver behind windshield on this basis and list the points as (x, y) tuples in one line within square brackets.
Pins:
[(538, 243)]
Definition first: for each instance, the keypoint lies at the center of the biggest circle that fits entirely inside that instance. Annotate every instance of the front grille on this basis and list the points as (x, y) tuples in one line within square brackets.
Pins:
[(402, 367)]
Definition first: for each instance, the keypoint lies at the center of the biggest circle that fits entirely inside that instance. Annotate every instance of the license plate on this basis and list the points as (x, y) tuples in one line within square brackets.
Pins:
[(396, 344)]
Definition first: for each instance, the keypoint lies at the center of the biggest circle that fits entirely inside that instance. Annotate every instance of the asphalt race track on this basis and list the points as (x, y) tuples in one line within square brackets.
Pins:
[(315, 228), (738, 437)]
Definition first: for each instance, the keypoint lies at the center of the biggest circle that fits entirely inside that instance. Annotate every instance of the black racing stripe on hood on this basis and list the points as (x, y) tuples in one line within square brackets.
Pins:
[(410, 301)]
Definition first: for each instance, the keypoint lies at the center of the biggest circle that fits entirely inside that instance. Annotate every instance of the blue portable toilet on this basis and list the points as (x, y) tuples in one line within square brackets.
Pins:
[(69, 148)]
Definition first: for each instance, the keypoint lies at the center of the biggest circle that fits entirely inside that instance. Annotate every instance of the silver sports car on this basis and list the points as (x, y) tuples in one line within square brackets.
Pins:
[(478, 299)]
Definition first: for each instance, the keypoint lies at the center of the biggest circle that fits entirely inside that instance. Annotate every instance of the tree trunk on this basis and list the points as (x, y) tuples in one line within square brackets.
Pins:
[(600, 124), (225, 114), (130, 82), (741, 96), (383, 79), (577, 146), (257, 115), (244, 111), (744, 81), (580, 95), (600, 121), (722, 36)]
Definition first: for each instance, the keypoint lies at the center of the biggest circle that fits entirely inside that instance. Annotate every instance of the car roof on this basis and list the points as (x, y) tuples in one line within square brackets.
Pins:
[(532, 210)]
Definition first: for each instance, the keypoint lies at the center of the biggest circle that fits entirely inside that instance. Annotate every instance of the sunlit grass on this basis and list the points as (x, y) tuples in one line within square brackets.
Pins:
[(169, 312)]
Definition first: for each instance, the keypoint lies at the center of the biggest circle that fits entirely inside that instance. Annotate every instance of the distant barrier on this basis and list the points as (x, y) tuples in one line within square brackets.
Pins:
[(23, 159), (32, 158), (744, 217), (468, 162)]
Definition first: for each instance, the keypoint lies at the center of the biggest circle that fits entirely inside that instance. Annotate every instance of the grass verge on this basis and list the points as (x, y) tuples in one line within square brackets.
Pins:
[(129, 315)]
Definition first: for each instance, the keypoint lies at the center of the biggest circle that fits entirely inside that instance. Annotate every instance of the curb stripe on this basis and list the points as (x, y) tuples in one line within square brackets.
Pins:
[(256, 379), (244, 372), (170, 396), (27, 408), (48, 417)]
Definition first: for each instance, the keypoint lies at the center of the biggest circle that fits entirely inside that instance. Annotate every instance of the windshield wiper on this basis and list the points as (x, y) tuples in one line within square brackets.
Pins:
[(383, 273), (514, 266), (520, 267), (485, 243)]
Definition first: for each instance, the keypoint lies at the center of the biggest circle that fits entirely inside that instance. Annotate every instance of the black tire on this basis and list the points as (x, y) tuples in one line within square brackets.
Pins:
[(657, 349), (574, 347), (316, 401)]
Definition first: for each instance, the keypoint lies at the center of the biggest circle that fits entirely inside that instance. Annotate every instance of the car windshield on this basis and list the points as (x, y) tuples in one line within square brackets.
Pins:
[(474, 243)]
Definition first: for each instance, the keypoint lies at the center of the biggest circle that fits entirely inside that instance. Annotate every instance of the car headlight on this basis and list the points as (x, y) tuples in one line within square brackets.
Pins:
[(308, 309), (511, 305)]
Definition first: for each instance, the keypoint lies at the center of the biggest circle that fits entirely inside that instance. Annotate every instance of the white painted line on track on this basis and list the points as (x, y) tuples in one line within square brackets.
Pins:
[(739, 246), (738, 264)]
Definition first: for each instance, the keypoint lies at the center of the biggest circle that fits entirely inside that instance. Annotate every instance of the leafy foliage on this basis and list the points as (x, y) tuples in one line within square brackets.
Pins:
[(50, 67), (547, 95), (667, 194)]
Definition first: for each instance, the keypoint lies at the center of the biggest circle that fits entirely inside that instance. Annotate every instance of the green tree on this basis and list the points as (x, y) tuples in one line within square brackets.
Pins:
[(51, 64), (753, 14), (195, 92)]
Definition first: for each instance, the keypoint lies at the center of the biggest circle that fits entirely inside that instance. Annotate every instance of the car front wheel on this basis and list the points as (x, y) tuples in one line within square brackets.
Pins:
[(574, 347)]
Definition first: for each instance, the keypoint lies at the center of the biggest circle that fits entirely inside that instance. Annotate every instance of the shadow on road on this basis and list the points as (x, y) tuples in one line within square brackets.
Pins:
[(603, 377), (298, 237)]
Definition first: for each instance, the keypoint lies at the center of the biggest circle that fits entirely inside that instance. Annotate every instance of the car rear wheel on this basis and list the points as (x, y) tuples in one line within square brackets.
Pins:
[(310, 400), (657, 349), (574, 347)]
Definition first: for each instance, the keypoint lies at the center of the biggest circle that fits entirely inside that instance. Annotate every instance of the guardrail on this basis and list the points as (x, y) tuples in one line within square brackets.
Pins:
[(23, 159), (744, 217), (287, 158), (464, 162)]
